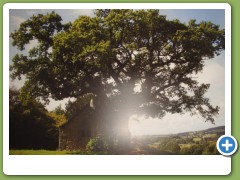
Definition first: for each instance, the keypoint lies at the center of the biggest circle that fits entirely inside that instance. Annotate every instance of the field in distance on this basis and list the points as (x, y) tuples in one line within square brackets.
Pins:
[(188, 143)]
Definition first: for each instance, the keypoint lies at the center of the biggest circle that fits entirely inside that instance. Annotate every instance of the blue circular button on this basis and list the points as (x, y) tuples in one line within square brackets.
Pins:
[(227, 145)]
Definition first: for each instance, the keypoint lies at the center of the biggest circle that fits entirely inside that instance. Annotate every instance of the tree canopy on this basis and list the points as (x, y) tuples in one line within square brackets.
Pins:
[(134, 61)]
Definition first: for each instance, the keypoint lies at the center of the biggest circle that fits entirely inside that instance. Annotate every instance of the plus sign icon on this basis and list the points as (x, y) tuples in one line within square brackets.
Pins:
[(227, 145)]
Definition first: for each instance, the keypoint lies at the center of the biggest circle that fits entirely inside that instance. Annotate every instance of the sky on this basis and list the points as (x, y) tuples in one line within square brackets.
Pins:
[(213, 72)]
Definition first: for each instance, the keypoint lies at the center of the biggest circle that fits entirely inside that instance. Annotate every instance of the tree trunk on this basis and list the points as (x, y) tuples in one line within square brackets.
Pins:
[(123, 135), (113, 125)]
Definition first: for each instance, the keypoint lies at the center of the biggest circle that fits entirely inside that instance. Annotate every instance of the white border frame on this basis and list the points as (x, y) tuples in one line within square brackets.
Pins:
[(114, 164)]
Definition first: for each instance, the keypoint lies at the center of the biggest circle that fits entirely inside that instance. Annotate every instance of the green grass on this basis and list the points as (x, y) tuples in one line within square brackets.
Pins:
[(37, 152), (47, 152)]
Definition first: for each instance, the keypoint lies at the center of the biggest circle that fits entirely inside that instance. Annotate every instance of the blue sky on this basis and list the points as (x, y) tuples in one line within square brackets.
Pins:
[(214, 15), (213, 72)]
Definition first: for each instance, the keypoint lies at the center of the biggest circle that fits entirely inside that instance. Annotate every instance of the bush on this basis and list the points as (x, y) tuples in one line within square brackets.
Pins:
[(169, 146), (97, 145), (194, 149), (210, 148)]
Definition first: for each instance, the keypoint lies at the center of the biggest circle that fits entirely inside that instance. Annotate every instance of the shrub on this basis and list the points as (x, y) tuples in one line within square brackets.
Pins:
[(170, 146), (194, 149), (97, 145)]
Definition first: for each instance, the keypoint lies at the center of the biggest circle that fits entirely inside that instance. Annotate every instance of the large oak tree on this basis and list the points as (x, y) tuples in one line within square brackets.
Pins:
[(133, 61)]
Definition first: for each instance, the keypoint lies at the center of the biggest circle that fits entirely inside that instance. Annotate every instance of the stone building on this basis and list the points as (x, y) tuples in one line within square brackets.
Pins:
[(76, 133), (85, 124)]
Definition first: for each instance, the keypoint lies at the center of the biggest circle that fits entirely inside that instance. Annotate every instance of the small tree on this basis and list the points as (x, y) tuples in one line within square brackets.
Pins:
[(59, 110)]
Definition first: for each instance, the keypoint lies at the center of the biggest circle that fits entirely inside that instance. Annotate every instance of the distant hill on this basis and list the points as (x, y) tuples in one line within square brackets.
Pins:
[(218, 129)]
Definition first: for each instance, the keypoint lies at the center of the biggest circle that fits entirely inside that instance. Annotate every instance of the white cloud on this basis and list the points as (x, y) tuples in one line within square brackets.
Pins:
[(171, 124), (53, 103), (86, 12), (32, 43), (31, 12), (213, 73), (73, 14), (17, 83), (15, 21)]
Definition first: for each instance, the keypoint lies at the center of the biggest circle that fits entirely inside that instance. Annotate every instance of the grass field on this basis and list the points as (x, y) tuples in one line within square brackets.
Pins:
[(46, 152), (37, 152)]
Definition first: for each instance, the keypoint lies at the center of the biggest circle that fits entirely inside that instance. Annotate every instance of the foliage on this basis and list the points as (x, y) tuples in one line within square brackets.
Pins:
[(73, 107), (112, 54), (59, 110), (29, 125), (193, 149), (210, 148), (171, 146), (59, 119), (98, 145), (58, 114)]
